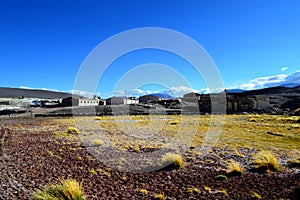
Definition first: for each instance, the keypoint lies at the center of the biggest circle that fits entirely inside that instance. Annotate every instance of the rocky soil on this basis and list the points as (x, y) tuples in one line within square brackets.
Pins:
[(31, 159)]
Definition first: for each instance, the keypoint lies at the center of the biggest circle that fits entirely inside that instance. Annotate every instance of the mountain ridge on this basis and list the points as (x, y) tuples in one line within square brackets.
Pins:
[(7, 92)]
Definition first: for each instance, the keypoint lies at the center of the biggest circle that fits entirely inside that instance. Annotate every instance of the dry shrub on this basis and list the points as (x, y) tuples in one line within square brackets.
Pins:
[(265, 161), (172, 160), (234, 169), (72, 130), (68, 190)]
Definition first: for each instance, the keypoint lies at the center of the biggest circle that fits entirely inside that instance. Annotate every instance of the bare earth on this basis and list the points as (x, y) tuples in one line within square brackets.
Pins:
[(32, 156)]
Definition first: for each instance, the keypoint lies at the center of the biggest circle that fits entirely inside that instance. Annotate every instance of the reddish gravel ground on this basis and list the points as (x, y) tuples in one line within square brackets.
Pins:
[(32, 159)]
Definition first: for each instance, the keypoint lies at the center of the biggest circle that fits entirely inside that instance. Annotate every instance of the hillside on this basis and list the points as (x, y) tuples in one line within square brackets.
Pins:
[(31, 93), (274, 90)]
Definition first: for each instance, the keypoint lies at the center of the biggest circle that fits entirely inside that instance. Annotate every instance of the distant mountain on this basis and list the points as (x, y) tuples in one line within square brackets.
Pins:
[(274, 90), (290, 85), (163, 95), (235, 91), (6, 92)]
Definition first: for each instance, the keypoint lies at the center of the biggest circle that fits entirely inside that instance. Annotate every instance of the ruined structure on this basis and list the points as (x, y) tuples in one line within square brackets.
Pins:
[(114, 101), (148, 99), (264, 100), (76, 101)]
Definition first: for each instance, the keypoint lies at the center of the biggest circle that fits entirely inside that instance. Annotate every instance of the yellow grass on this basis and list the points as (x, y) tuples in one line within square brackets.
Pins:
[(207, 189), (144, 191), (250, 131), (72, 188), (98, 142), (135, 133), (266, 160), (72, 130), (68, 190), (234, 168), (159, 197), (193, 190), (172, 159), (255, 195)]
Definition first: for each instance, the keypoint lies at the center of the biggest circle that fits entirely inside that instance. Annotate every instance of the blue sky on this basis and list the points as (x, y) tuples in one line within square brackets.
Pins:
[(253, 43)]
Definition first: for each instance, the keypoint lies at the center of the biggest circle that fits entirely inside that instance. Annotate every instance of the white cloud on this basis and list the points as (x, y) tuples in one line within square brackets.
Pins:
[(173, 91), (135, 92), (245, 86), (211, 90), (283, 69), (32, 88), (84, 93), (290, 80), (181, 90), (77, 92), (25, 87)]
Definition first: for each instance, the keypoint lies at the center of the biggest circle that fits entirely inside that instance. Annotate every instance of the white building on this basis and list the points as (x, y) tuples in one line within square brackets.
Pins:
[(88, 102), (130, 100)]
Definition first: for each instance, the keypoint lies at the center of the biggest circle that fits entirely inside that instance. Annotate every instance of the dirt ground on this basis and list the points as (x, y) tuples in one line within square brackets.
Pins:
[(32, 156)]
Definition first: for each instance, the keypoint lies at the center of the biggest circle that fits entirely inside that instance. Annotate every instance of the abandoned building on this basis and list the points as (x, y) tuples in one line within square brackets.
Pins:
[(234, 102), (170, 103), (148, 99), (191, 97), (114, 101), (239, 103), (75, 101)]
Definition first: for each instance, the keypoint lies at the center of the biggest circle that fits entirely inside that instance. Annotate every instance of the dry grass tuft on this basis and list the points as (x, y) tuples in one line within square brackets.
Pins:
[(93, 171), (172, 160), (222, 192), (72, 130), (159, 197), (193, 190), (97, 142), (265, 161), (235, 169), (68, 190), (144, 191), (50, 153), (207, 189), (255, 195)]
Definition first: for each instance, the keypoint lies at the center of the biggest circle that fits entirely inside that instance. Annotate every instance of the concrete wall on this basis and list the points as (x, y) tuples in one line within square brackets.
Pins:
[(114, 101), (148, 98), (262, 102)]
